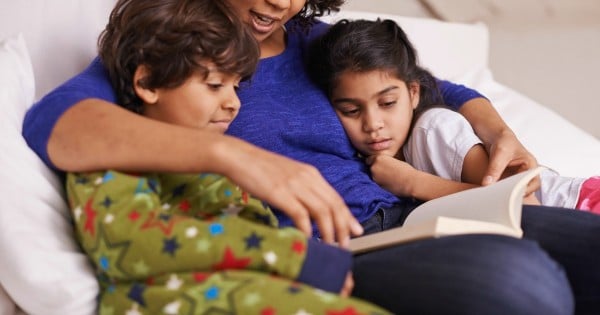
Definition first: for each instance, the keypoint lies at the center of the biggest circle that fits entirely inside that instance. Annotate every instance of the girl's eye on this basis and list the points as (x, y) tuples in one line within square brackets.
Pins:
[(388, 104), (349, 112)]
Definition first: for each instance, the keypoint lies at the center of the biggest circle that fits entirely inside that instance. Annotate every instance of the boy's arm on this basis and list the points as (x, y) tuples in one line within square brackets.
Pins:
[(130, 233)]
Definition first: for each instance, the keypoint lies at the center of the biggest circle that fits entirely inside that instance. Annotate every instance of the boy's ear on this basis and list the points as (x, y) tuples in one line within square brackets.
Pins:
[(148, 96), (414, 90)]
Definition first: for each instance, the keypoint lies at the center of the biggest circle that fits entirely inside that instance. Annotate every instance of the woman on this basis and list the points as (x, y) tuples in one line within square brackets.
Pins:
[(454, 275)]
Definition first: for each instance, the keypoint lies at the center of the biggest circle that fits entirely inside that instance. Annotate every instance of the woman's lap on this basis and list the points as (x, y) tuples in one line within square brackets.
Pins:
[(467, 274), (487, 274), (572, 238)]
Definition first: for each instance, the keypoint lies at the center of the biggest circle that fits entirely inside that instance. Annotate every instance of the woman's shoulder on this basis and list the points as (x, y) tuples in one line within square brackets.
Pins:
[(308, 33)]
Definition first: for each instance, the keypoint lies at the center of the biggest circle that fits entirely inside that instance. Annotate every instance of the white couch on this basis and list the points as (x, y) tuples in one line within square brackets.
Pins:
[(42, 270)]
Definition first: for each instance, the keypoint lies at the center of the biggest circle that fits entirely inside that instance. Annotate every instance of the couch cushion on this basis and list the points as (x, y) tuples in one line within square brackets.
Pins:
[(41, 266)]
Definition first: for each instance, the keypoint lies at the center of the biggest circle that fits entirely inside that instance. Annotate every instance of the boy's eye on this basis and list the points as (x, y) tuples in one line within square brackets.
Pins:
[(215, 86)]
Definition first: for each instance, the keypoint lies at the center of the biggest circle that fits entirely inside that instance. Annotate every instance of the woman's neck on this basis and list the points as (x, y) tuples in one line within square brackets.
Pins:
[(274, 44)]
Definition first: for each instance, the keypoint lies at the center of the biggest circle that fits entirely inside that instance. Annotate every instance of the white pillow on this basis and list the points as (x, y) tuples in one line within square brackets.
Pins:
[(41, 266), (7, 306)]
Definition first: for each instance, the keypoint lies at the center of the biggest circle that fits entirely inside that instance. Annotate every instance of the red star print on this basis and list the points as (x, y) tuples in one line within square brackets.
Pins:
[(165, 226), (134, 215), (201, 276), (90, 217), (268, 311), (185, 206), (298, 247), (150, 281), (348, 311), (245, 197), (231, 262)]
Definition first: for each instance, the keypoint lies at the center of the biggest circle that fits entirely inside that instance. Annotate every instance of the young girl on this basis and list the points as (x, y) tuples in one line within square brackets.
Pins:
[(391, 110), (168, 243)]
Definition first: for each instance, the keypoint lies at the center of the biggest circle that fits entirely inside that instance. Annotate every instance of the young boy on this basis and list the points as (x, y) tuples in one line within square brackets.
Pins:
[(192, 243), (390, 109)]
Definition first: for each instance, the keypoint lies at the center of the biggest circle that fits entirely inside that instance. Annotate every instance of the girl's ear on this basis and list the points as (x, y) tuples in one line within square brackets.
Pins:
[(148, 96), (414, 90)]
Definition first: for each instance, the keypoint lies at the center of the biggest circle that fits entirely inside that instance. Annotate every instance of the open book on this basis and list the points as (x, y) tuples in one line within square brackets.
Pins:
[(493, 209)]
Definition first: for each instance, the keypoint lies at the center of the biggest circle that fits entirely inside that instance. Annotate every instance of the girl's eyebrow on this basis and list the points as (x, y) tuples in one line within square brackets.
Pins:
[(389, 88), (352, 100)]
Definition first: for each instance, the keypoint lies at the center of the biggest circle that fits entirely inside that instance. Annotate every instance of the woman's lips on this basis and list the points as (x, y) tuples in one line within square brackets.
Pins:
[(262, 23)]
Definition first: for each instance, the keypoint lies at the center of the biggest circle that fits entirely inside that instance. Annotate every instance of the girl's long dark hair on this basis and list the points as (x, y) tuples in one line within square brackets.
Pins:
[(364, 46)]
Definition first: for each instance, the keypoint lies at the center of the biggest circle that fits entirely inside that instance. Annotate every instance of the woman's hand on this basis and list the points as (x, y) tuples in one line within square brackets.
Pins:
[(297, 189), (508, 157)]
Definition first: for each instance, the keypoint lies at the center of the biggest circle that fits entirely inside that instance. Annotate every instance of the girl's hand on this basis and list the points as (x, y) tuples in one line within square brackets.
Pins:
[(392, 174), (508, 157), (297, 189)]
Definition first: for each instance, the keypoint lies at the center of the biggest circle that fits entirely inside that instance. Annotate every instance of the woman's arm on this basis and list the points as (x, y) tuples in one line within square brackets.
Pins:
[(95, 134), (507, 154), (77, 127)]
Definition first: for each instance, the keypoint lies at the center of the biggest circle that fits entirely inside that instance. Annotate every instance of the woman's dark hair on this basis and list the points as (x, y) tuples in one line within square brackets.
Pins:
[(173, 39), (314, 9), (364, 46)]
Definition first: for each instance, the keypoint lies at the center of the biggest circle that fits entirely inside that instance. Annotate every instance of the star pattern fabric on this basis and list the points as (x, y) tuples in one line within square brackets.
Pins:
[(189, 244)]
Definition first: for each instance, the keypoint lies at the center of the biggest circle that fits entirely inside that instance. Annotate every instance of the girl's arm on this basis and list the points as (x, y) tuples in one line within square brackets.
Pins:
[(402, 179)]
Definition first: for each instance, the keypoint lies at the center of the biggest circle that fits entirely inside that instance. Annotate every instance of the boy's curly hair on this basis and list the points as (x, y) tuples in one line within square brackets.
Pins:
[(173, 39)]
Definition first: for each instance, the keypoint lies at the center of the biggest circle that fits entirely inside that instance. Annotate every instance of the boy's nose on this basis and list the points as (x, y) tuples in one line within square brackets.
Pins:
[(232, 102)]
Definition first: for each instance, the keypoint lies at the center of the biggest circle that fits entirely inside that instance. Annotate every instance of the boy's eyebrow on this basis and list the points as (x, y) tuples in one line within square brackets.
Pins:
[(352, 100)]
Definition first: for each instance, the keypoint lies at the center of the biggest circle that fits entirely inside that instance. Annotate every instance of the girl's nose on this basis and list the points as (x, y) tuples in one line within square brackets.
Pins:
[(372, 123)]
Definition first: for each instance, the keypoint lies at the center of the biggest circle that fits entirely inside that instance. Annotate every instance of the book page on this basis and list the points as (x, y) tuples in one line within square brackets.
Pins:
[(438, 227), (493, 209), (500, 202)]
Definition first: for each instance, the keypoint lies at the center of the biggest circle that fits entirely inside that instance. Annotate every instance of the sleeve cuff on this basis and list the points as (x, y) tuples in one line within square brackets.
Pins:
[(325, 266)]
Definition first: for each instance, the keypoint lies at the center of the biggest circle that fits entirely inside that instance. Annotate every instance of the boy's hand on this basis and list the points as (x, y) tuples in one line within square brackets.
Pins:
[(348, 285)]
